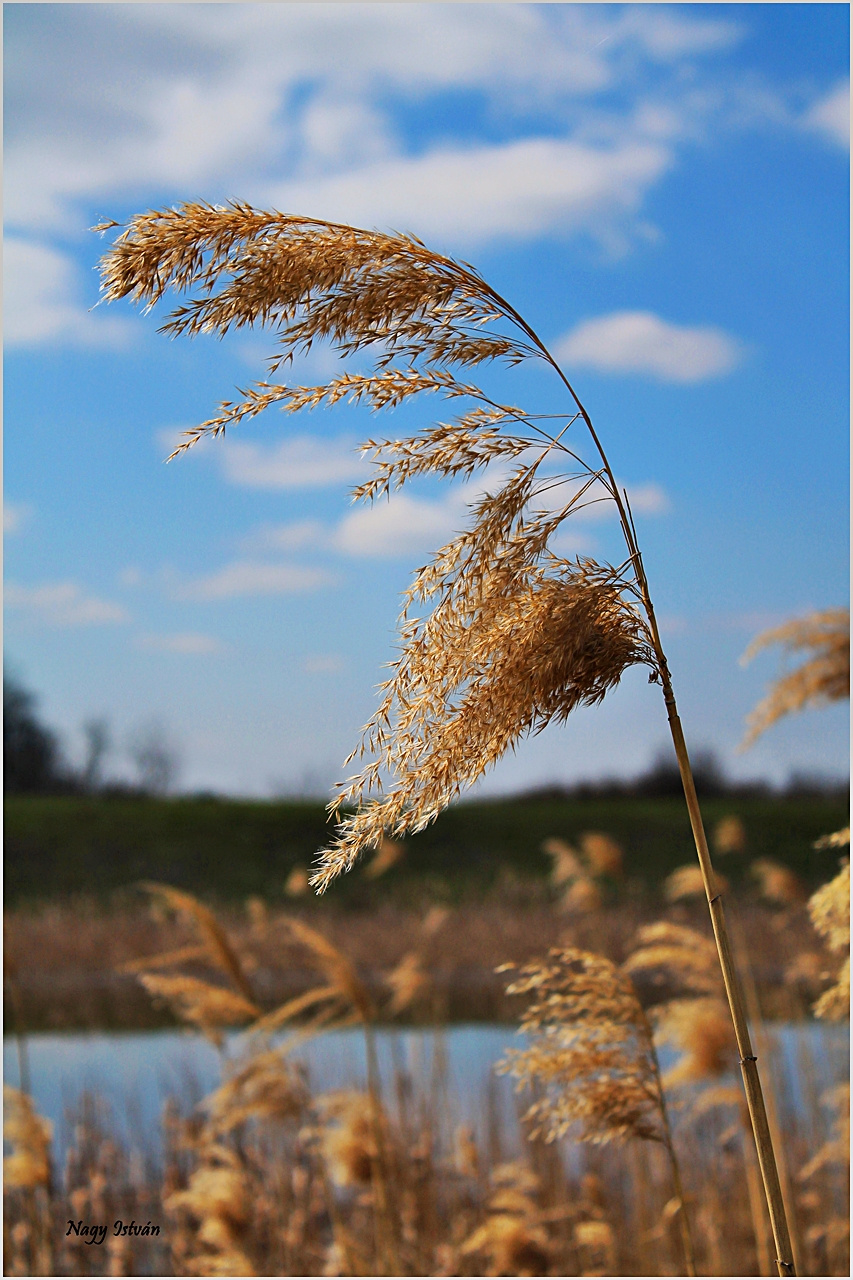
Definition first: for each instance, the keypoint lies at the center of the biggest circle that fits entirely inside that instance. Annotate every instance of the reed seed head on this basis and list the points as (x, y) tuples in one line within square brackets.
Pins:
[(29, 1136), (729, 835), (777, 883), (822, 678), (590, 1053), (517, 637), (702, 1031)]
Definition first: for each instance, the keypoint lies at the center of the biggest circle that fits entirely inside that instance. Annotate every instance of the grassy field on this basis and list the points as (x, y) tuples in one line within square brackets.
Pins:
[(226, 850)]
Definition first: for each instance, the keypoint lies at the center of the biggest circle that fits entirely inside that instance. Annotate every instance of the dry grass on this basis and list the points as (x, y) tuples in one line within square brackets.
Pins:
[(822, 678)]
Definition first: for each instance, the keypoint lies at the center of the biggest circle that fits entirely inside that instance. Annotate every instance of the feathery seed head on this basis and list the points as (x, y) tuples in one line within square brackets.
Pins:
[(702, 1030), (590, 1050), (777, 883), (829, 909), (822, 678), (29, 1136), (517, 637), (729, 835)]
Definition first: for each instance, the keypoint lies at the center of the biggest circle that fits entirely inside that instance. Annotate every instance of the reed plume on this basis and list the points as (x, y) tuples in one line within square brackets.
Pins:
[(829, 909), (514, 636), (593, 1057), (822, 678)]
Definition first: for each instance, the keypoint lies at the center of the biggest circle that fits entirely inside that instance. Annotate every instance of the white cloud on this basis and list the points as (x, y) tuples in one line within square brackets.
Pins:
[(400, 526), (522, 188), (162, 98), (831, 115), (300, 462), (252, 578), (640, 342), (63, 604), (188, 642), (323, 664), (285, 537), (15, 515), (39, 303)]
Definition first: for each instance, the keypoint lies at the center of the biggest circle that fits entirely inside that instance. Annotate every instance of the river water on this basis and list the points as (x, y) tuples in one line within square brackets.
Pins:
[(132, 1073)]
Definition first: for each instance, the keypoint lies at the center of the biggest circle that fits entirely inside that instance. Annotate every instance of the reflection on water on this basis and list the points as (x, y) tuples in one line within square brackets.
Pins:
[(132, 1073)]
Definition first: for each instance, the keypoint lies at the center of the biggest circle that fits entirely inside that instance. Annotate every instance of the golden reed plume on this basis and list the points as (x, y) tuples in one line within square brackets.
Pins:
[(823, 677), (514, 636)]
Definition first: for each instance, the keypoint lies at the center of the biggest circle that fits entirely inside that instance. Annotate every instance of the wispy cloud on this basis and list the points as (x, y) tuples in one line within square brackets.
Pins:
[(191, 643), (639, 342), (285, 537), (830, 115), (40, 303), (329, 664), (15, 515), (253, 578), (300, 462), (63, 604)]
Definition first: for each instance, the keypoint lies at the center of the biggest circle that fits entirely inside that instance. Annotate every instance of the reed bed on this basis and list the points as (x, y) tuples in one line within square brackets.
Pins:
[(64, 959), (610, 1166)]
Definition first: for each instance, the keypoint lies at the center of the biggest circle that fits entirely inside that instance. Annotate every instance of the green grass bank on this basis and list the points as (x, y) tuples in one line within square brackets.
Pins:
[(225, 850)]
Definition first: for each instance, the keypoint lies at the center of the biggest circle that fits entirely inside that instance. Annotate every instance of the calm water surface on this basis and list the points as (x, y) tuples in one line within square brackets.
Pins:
[(132, 1073)]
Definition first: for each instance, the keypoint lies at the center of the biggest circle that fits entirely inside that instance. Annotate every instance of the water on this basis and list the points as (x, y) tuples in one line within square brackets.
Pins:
[(132, 1073)]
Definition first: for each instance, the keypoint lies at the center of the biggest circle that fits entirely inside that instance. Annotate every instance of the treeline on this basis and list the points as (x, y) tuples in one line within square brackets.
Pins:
[(34, 762)]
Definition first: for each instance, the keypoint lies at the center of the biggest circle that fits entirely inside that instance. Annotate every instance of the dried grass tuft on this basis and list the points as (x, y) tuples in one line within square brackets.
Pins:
[(729, 835), (777, 883), (702, 1031), (822, 678), (591, 1054), (211, 1008), (603, 854), (29, 1136), (511, 1239), (688, 882), (677, 955)]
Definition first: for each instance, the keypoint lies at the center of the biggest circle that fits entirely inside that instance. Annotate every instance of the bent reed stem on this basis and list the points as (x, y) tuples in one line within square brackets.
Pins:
[(734, 992)]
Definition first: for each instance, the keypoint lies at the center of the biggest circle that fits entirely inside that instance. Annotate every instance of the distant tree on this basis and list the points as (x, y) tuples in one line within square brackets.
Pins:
[(98, 742), (664, 777), (31, 757), (156, 759)]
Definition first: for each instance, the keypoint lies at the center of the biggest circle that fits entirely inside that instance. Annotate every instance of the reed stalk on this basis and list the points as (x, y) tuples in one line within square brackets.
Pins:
[(731, 979), (518, 637)]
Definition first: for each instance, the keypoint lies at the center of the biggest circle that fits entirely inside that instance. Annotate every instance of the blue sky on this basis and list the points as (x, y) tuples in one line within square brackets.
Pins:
[(661, 190)]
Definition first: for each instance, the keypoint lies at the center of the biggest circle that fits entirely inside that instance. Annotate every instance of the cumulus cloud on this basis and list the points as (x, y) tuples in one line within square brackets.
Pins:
[(254, 578), (190, 643), (639, 342), (63, 604), (207, 97), (300, 462), (40, 303), (830, 115)]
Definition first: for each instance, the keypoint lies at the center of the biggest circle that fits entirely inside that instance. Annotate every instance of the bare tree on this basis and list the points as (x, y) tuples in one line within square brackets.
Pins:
[(156, 758), (98, 742)]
